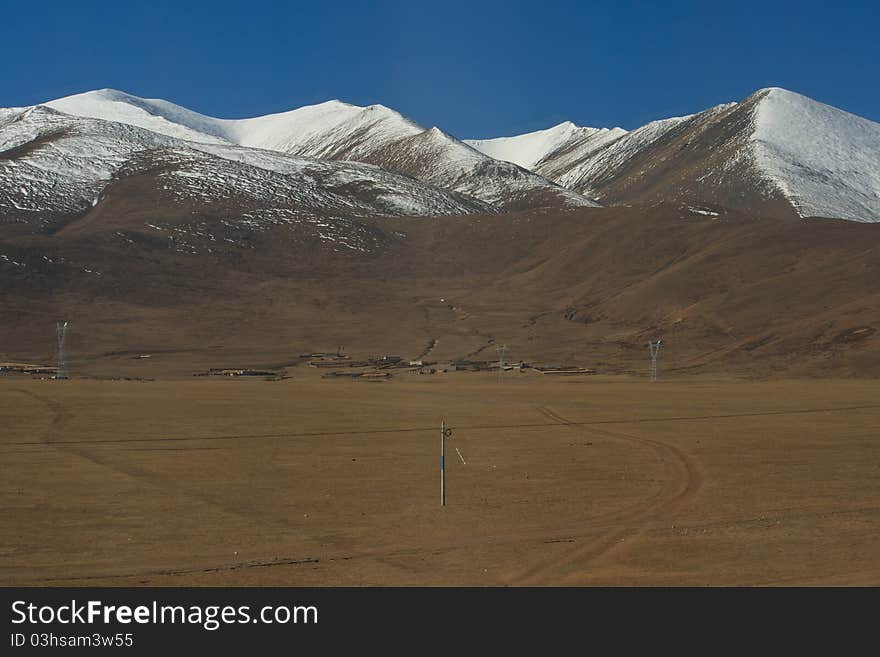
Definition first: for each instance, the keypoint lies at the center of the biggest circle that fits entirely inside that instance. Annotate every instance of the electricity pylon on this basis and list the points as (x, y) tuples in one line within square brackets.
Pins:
[(501, 349), (655, 354), (61, 333)]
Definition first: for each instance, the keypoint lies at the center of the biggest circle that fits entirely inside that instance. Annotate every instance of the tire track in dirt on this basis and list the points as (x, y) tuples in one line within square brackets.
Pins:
[(433, 549), (591, 425), (61, 416), (693, 477), (682, 482), (170, 572)]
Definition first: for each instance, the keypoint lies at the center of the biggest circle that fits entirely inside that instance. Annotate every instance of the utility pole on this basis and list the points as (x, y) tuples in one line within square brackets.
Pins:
[(61, 333), (501, 349), (655, 354), (444, 434)]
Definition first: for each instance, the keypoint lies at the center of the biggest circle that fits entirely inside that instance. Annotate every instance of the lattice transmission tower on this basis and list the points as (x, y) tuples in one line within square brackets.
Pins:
[(501, 349), (655, 354), (61, 333)]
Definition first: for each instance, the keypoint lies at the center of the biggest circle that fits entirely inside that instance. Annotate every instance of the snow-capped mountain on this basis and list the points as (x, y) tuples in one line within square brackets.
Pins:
[(581, 162), (339, 131), (57, 165), (54, 163), (530, 149), (825, 161), (776, 153)]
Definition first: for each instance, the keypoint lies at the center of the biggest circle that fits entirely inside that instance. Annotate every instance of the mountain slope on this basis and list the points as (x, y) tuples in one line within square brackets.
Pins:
[(580, 163), (776, 153), (51, 163), (155, 115), (727, 293), (701, 159), (339, 131), (54, 167), (825, 161)]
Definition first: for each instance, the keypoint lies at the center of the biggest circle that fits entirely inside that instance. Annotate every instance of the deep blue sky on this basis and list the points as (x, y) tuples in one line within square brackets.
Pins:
[(473, 68)]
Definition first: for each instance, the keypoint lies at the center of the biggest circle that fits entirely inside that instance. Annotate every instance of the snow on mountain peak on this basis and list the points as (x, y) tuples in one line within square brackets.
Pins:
[(155, 114), (527, 150), (824, 160), (302, 131), (821, 160), (332, 130), (55, 163)]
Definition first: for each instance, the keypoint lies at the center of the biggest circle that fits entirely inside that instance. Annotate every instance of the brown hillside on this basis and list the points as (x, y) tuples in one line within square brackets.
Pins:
[(727, 293)]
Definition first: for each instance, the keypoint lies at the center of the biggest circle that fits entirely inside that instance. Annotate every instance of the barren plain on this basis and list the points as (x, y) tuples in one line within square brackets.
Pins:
[(579, 480)]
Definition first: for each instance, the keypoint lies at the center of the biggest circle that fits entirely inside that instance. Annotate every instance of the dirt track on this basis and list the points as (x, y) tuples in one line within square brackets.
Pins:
[(309, 482)]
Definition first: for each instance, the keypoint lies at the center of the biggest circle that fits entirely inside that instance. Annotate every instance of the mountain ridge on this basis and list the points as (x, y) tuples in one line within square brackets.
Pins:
[(758, 155), (335, 130), (54, 167), (218, 253), (776, 153)]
